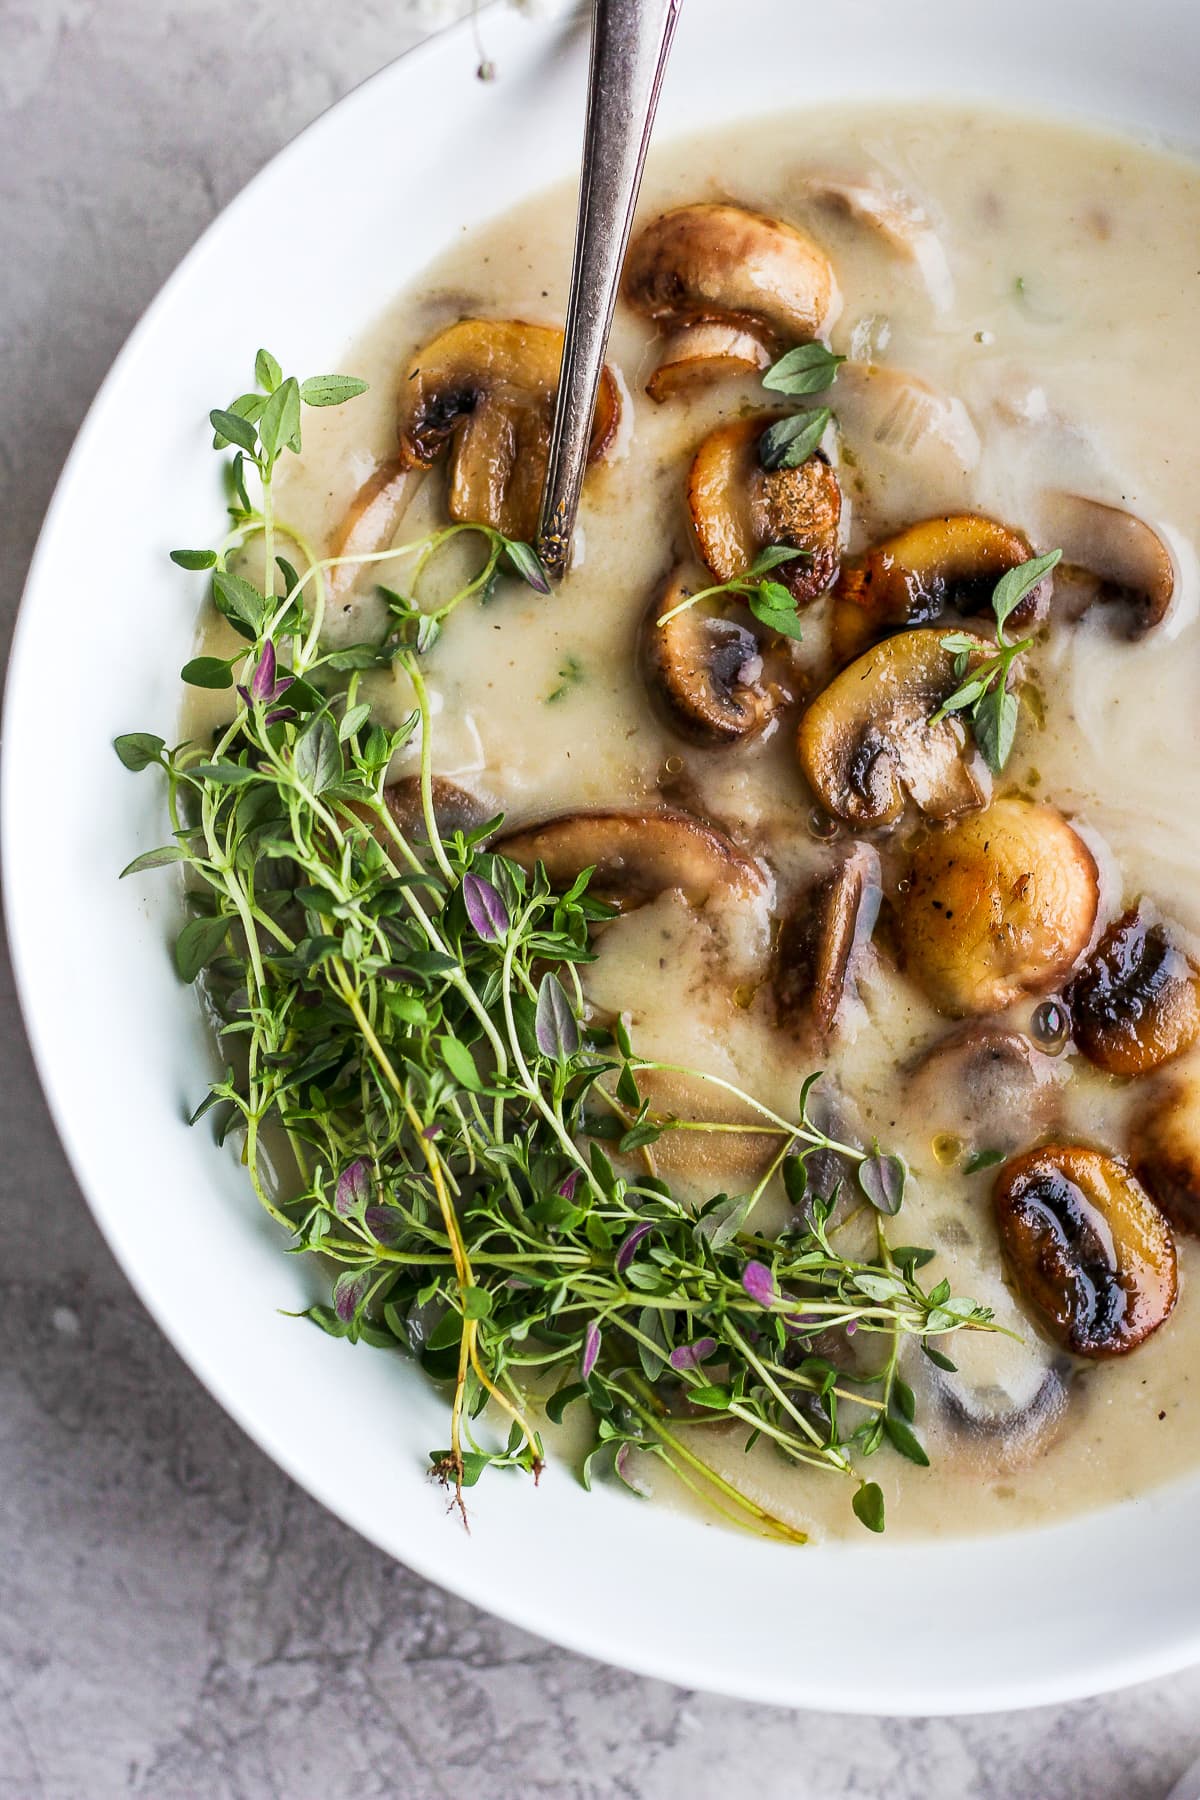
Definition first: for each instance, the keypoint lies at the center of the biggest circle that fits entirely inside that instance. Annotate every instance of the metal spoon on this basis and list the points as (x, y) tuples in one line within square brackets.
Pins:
[(631, 40)]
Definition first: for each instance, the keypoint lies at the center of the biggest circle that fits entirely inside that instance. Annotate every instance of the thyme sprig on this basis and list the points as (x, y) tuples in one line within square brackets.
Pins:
[(471, 1151), (986, 697), (772, 604)]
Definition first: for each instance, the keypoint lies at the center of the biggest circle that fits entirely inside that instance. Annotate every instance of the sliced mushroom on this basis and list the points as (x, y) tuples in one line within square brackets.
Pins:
[(1123, 560), (1165, 1148), (370, 524), (866, 745), (485, 388), (703, 353), (737, 508), (818, 939), (1135, 1003), (988, 1086), (947, 564), (895, 219), (637, 856), (1087, 1247), (1010, 1421), (454, 809), (706, 672), (720, 264), (1001, 905)]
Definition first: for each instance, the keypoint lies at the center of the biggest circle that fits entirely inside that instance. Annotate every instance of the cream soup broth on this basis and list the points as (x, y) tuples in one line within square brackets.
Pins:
[(1051, 305)]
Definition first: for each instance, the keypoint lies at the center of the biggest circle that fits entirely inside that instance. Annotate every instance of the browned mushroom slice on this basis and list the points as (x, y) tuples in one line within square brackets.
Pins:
[(485, 389), (703, 353), (721, 264), (737, 508), (1135, 1003), (947, 564), (1001, 905), (818, 938), (1088, 1248), (987, 1086), (866, 745), (1165, 1148), (706, 672), (637, 856), (369, 525), (454, 809), (1121, 557)]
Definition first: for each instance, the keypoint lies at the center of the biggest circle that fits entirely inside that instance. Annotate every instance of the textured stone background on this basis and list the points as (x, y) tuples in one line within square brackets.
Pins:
[(176, 1619)]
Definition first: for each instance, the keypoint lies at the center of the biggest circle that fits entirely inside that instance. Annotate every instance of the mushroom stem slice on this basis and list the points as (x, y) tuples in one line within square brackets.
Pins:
[(705, 671), (1003, 904), (1135, 1004), (1165, 1148), (638, 855), (1130, 565), (818, 939), (737, 508), (700, 354), (484, 389), (369, 525), (1089, 1250), (866, 745), (721, 262), (946, 564)]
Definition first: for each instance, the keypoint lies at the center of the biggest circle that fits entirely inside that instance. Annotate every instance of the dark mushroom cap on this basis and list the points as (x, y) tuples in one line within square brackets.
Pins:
[(705, 672), (946, 564), (485, 389), (1135, 1003), (738, 508), (1165, 1147), (454, 809), (818, 938), (1129, 567), (866, 746), (723, 262), (1088, 1248), (637, 856)]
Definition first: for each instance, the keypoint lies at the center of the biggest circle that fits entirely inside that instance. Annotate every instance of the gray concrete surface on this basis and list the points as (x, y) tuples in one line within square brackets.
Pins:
[(178, 1620)]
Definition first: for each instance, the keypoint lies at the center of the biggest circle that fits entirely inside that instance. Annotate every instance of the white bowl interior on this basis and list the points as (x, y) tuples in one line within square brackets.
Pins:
[(1013, 1621)]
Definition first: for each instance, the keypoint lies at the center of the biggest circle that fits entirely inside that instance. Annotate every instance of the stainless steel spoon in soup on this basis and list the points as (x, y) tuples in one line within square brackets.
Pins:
[(631, 41)]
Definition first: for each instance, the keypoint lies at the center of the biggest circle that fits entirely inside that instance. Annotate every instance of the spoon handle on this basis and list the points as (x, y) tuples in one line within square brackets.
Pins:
[(631, 40)]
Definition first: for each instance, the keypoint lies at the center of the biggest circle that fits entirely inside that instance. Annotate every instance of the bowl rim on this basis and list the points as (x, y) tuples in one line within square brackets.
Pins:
[(690, 1664)]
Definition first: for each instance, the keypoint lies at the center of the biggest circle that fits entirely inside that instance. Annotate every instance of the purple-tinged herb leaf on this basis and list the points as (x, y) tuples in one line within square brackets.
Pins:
[(485, 908), (262, 682), (555, 1026), (628, 1249), (353, 1189), (759, 1283), (881, 1178), (591, 1349), (567, 1186), (349, 1292), (527, 565), (690, 1356), (384, 1224)]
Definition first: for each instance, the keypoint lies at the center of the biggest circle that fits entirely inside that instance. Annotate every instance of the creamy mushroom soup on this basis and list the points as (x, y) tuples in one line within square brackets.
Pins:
[(988, 951)]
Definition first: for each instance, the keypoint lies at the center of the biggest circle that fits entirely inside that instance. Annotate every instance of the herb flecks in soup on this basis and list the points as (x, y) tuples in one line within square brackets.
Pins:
[(856, 745)]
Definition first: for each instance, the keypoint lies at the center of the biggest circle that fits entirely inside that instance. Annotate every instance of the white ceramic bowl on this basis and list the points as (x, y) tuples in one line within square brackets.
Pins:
[(874, 1626)]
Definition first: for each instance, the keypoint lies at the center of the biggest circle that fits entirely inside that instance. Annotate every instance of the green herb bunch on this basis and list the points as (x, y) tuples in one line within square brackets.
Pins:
[(473, 1153)]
